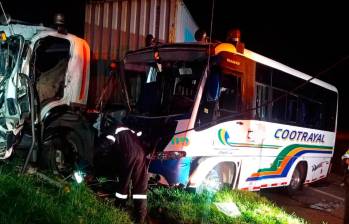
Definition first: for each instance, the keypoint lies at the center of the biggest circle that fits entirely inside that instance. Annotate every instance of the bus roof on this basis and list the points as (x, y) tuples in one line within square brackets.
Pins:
[(274, 64), (190, 51)]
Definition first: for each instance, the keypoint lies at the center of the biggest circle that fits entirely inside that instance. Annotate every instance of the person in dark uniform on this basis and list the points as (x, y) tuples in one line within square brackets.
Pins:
[(234, 37), (150, 40), (345, 159), (126, 159)]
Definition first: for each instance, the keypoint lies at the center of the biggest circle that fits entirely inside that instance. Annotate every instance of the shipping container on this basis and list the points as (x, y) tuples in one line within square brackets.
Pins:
[(113, 27)]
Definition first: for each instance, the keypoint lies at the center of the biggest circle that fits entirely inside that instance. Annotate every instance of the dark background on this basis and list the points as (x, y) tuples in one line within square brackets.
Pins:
[(310, 37), (37, 12)]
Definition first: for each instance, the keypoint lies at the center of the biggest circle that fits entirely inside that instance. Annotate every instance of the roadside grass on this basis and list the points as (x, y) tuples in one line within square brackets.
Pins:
[(27, 199), (178, 206)]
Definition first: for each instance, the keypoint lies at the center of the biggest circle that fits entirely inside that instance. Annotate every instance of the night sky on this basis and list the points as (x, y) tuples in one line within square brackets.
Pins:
[(309, 37), (36, 11)]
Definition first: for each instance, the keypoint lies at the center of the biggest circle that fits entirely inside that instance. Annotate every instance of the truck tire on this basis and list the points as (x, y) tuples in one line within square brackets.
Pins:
[(60, 152), (297, 179)]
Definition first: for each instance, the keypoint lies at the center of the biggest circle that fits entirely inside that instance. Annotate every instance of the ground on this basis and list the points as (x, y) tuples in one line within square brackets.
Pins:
[(321, 202)]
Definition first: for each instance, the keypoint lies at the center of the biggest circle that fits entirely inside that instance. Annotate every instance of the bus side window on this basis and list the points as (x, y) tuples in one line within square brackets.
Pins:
[(213, 87), (310, 113), (291, 112), (230, 95), (279, 105), (210, 99), (302, 112), (314, 114), (329, 107), (262, 98)]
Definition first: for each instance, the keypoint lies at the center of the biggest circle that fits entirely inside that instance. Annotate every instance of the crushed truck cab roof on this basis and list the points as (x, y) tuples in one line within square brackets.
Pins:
[(26, 31)]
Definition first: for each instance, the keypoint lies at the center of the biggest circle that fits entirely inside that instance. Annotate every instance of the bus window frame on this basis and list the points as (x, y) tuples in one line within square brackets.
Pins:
[(299, 94)]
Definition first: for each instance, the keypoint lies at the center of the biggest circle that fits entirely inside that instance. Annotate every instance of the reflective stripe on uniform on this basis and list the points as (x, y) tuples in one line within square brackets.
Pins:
[(118, 130), (121, 196), (139, 196), (110, 137)]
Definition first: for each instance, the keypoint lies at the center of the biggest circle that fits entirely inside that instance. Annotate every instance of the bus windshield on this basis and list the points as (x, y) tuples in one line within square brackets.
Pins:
[(166, 90)]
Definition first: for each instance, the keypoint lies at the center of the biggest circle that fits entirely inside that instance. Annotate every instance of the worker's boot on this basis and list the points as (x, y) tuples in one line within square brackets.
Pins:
[(140, 210), (120, 203)]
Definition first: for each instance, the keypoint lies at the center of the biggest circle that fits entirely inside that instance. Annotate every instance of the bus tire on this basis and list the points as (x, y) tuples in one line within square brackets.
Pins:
[(222, 175), (297, 179), (60, 151)]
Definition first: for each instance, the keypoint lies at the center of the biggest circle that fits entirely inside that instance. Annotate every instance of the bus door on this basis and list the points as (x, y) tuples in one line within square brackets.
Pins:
[(226, 101)]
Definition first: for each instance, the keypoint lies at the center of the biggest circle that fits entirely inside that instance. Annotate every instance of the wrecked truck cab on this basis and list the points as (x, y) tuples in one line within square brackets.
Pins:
[(57, 67), (14, 103)]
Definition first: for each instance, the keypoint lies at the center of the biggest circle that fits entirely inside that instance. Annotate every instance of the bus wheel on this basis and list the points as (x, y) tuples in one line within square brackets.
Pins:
[(297, 180), (60, 152), (220, 176)]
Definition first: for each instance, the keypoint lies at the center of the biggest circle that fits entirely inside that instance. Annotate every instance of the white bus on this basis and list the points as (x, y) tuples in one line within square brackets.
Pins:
[(234, 119)]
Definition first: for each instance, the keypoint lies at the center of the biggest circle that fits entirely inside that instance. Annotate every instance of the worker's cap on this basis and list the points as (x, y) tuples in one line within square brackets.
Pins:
[(59, 19), (200, 34)]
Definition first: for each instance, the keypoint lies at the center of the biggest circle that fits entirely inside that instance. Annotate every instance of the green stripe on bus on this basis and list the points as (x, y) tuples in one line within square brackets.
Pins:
[(286, 151), (220, 137)]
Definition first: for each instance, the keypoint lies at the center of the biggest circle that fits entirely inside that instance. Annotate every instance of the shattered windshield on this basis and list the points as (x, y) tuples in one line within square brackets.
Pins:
[(11, 89), (171, 90), (9, 50)]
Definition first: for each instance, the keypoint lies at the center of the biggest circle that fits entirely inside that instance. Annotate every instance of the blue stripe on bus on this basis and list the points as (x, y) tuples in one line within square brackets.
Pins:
[(288, 166)]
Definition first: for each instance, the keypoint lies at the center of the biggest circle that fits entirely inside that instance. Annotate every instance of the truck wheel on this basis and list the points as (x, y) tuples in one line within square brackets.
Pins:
[(60, 152), (297, 180)]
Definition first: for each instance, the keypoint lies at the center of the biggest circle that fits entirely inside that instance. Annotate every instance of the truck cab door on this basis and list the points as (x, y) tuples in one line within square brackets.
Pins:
[(49, 64)]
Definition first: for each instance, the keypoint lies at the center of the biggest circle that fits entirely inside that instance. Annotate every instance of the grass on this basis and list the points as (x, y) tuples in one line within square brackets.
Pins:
[(28, 199), (178, 206)]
